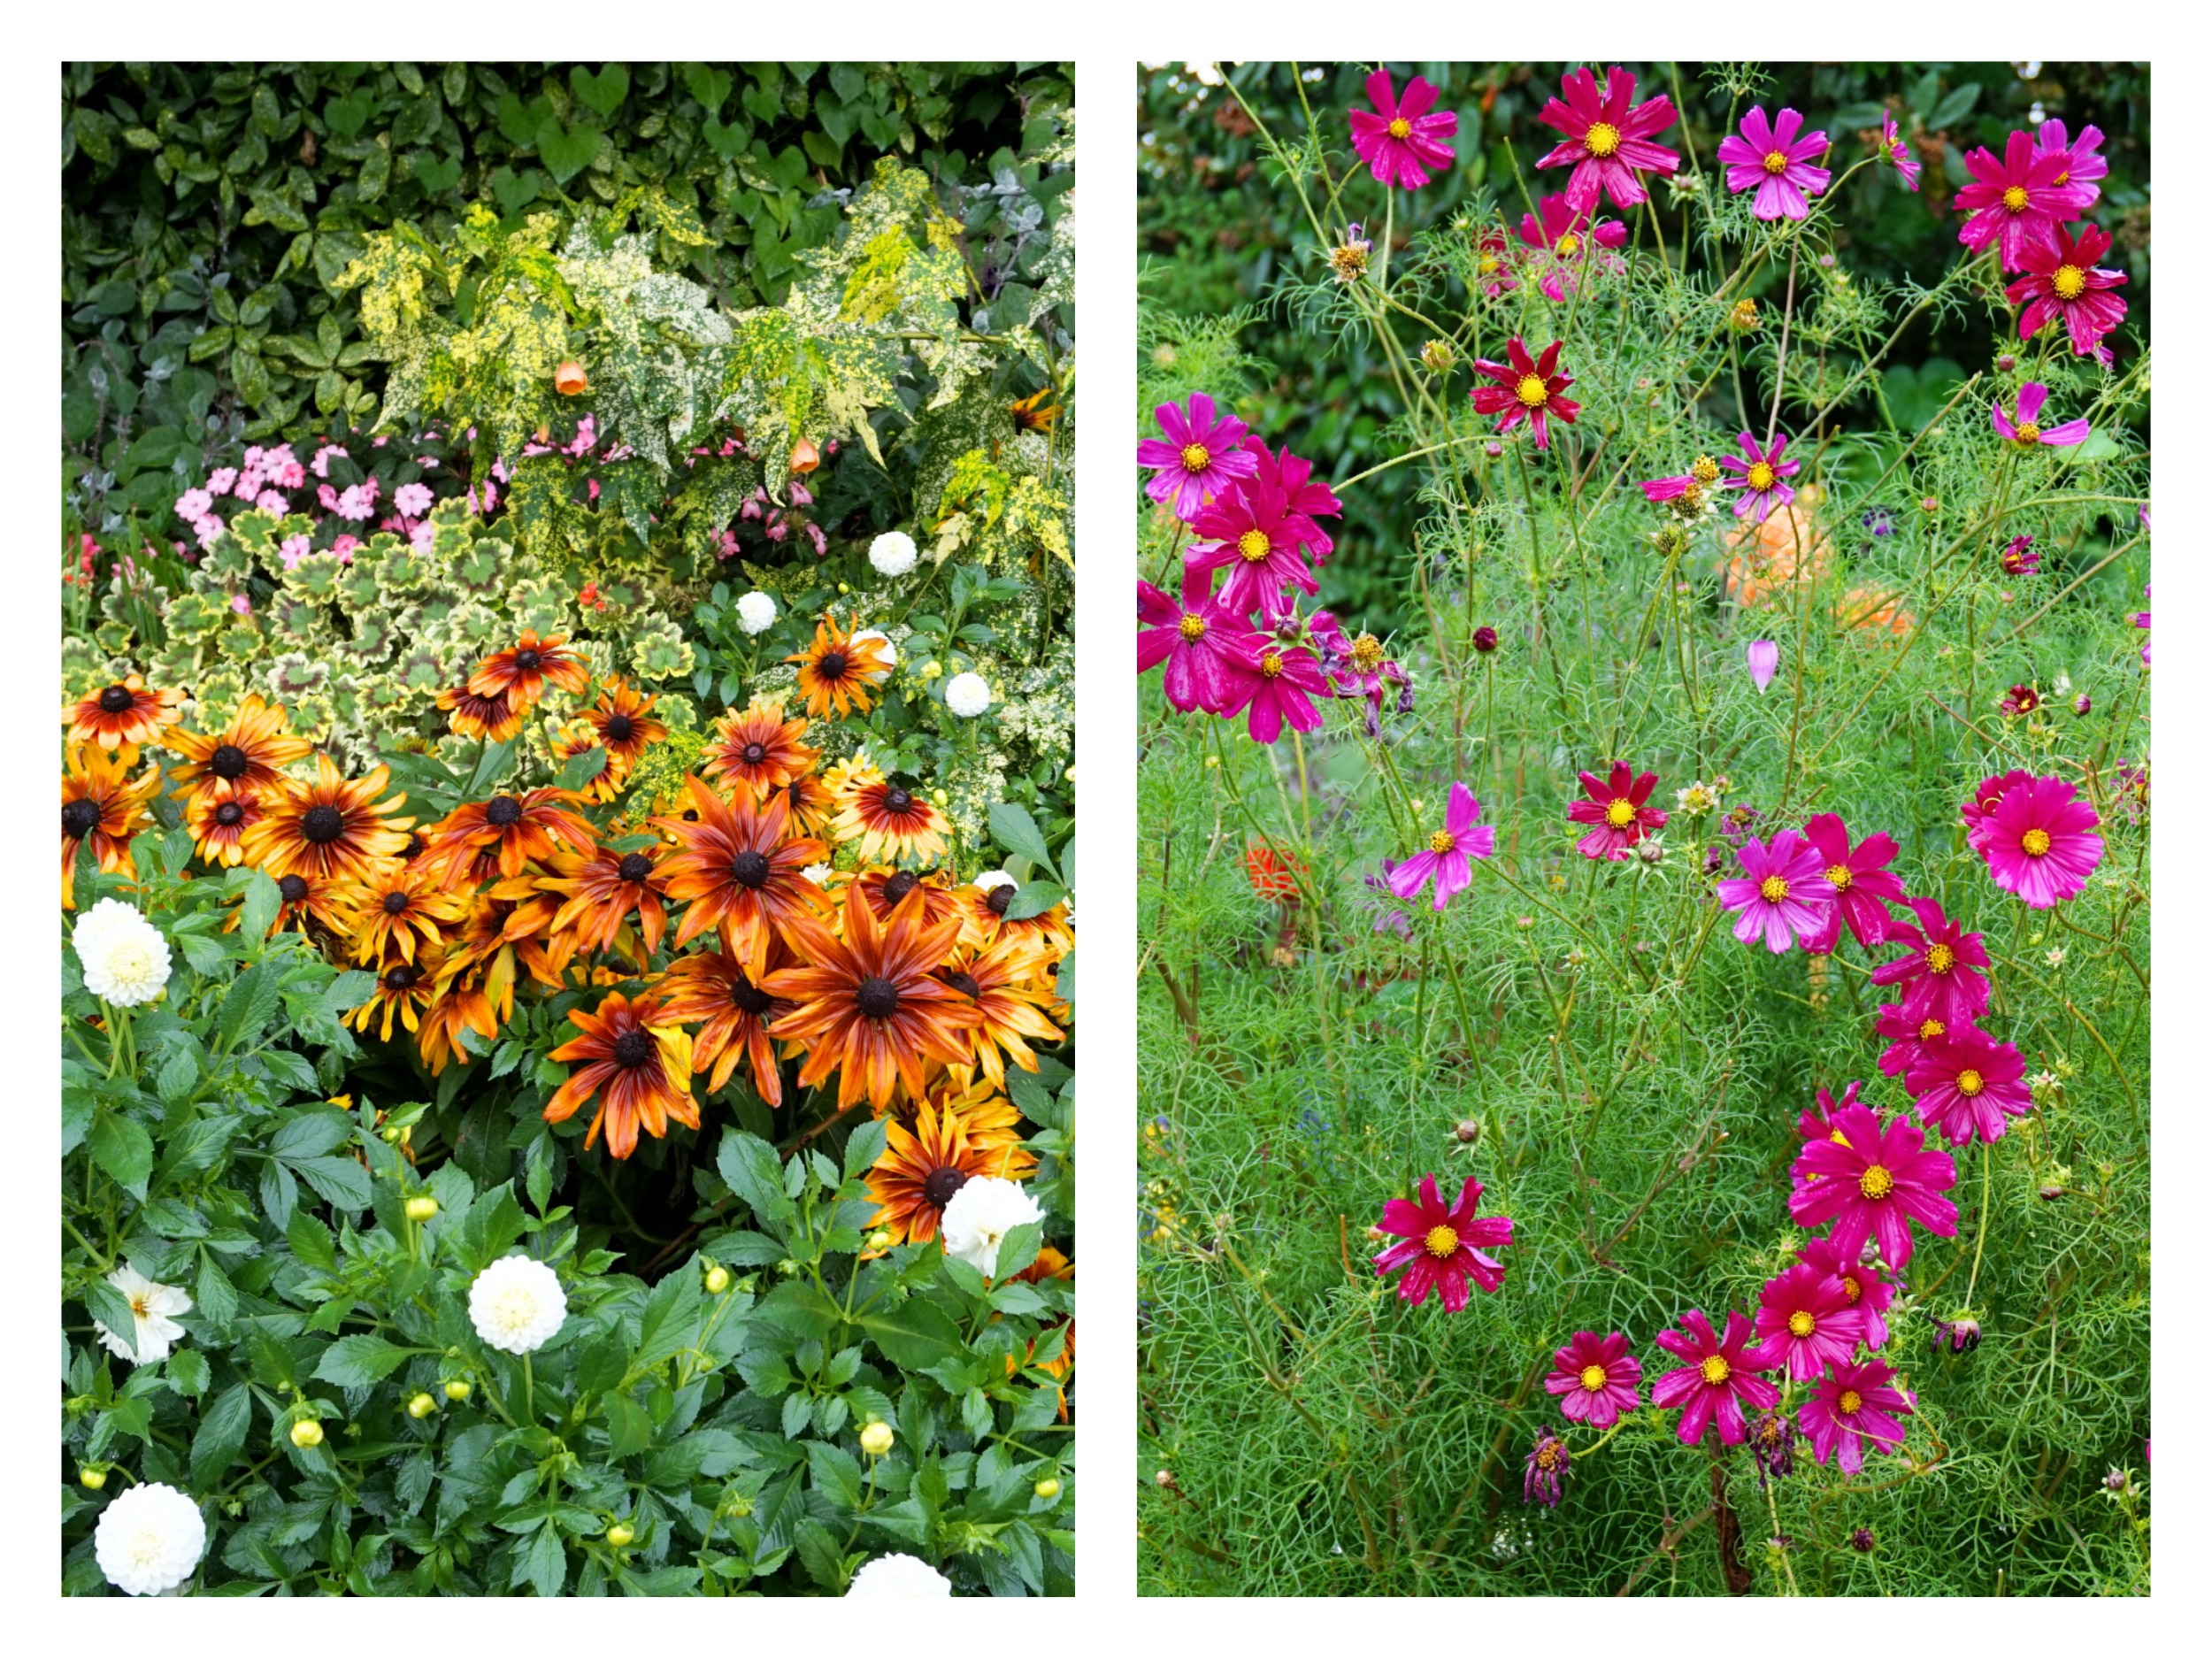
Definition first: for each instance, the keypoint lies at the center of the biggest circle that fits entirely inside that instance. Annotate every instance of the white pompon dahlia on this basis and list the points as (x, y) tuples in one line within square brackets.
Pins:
[(154, 1308), (149, 1539), (893, 553), (756, 612), (126, 959), (898, 1578), (981, 1214), (991, 878), (516, 1304), (967, 696)]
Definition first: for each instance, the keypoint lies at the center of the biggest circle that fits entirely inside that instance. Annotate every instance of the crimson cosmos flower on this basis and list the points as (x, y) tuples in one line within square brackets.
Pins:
[(1854, 1406), (1906, 1034), (2084, 165), (1892, 149), (1940, 969), (1721, 1375), (2064, 283), (1806, 1322), (1400, 138), (1273, 685), (1566, 238), (1198, 640), (1199, 457), (1303, 500), (1977, 809), (1865, 885), (1441, 1249), (1818, 1122), (1451, 851), (1596, 1378), (1776, 162), (1615, 812), (1866, 1288), (2041, 842), (1872, 1182), (1525, 390), (1782, 895), (1609, 139), (2019, 203), (1248, 530), (1965, 1084)]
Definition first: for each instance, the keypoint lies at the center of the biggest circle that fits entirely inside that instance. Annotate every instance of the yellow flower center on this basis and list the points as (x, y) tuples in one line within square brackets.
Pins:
[(1774, 889), (2015, 199), (1839, 877), (1940, 957), (1800, 1323), (138, 1307), (1270, 663), (1253, 546), (1487, 265), (1367, 653), (1848, 1402), (2027, 432), (2063, 176), (1620, 813), (1776, 162), (1441, 841), (2036, 842), (1714, 1369), (1593, 1377), (2069, 280), (1761, 477), (1931, 1029), (1851, 1291), (1442, 1243), (1970, 1082), (1401, 128), (1838, 1137), (1532, 391), (1875, 1182), (1547, 1455), (1192, 628), (1705, 470), (1602, 139), (1196, 457), (1570, 244)]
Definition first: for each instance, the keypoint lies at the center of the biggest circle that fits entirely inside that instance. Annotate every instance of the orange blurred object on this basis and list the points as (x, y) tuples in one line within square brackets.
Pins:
[(804, 457), (1765, 557), (568, 380), (1874, 611), (1272, 876)]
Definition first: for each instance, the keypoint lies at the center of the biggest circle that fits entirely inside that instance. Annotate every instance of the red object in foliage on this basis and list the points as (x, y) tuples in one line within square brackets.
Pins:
[(1272, 876)]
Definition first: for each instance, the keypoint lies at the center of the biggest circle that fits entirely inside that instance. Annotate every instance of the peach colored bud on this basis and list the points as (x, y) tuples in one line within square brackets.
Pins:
[(568, 380)]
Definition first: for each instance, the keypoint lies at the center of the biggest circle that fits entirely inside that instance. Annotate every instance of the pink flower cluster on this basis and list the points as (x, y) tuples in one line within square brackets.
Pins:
[(2021, 204)]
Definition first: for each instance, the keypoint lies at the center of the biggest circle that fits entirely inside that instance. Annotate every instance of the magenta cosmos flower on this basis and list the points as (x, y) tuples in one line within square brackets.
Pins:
[(1276, 685), (1525, 390), (2064, 283), (1865, 887), (1818, 1122), (1776, 162), (1965, 1084), (1908, 1034), (1615, 812), (2084, 165), (1939, 969), (1400, 138), (1759, 474), (1303, 500), (1596, 1378), (1442, 1249), (1609, 139), (1565, 239), (1975, 810), (1872, 1182), (1782, 895), (1807, 1323), (2024, 429), (1721, 1375), (1867, 1289), (2017, 202), (1892, 149), (1246, 530), (1198, 457), (2041, 842), (1450, 853), (1855, 1405), (1200, 640)]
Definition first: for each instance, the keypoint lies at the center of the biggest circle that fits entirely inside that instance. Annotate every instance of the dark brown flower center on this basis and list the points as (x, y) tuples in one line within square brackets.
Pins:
[(503, 809), (527, 661), (897, 799), (751, 870), (395, 903), (635, 867), (940, 1183), (228, 762), (832, 666), (115, 699), (755, 753), (229, 813), (294, 888), (899, 884), (322, 823), (878, 997), (999, 898), (749, 996), (78, 818), (964, 983), (399, 976), (632, 1050), (619, 727)]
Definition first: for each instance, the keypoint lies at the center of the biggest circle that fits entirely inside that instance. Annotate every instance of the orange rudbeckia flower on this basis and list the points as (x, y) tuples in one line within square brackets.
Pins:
[(219, 826), (757, 750), (834, 672), (503, 833), (101, 808), (121, 717), (493, 719), (738, 870), (706, 986), (890, 821), (521, 674), (637, 1061), (921, 1168), (245, 758), (331, 829)]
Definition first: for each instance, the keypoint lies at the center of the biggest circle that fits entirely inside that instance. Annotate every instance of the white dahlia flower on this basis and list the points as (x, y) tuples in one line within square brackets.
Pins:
[(756, 612), (149, 1539), (154, 1308), (981, 1214), (898, 1578), (516, 1304), (126, 959), (893, 553), (967, 696)]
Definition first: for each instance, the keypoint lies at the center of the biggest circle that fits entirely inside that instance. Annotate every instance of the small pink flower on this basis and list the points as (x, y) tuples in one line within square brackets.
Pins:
[(273, 502), (1893, 150), (412, 499), (194, 504), (321, 465), (1451, 851), (1775, 162), (1402, 138), (241, 604), (1762, 656)]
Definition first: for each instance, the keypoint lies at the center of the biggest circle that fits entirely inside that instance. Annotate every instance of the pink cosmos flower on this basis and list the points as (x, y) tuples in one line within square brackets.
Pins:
[(1759, 474), (1400, 138), (1893, 150), (1721, 1375), (2084, 165), (1608, 142), (1525, 390), (1807, 1323), (1199, 457), (1615, 812), (1851, 1408), (1864, 885), (1782, 895), (1965, 1085), (1450, 853), (1303, 501), (1866, 1288), (1596, 1378), (1872, 1182), (2041, 842), (1565, 239), (1199, 640), (1987, 794), (1246, 530), (1276, 684), (1761, 657), (1775, 162), (2063, 280), (2017, 202), (1493, 264), (1908, 1034), (1939, 969), (1818, 1122), (2024, 430), (1442, 1249), (2021, 557), (2143, 621)]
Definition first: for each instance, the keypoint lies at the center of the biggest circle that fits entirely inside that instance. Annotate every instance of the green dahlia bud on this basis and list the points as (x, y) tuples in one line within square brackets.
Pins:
[(1047, 1489), (875, 1440), (92, 1478), (717, 1280), (307, 1434), (421, 1208), (456, 1389), (620, 1534), (421, 1406)]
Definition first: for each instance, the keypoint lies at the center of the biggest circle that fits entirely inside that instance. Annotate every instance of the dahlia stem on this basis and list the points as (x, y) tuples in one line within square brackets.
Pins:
[(529, 1391)]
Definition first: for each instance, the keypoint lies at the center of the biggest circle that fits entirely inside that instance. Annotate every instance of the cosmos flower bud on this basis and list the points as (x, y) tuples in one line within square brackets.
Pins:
[(1467, 1132), (307, 1433), (875, 1440), (1862, 1540), (2081, 704), (2006, 361), (422, 1207), (1963, 1334), (1486, 639), (1493, 448), (1047, 1489), (620, 1534), (1164, 1478), (421, 1407), (1437, 357), (1743, 316)]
